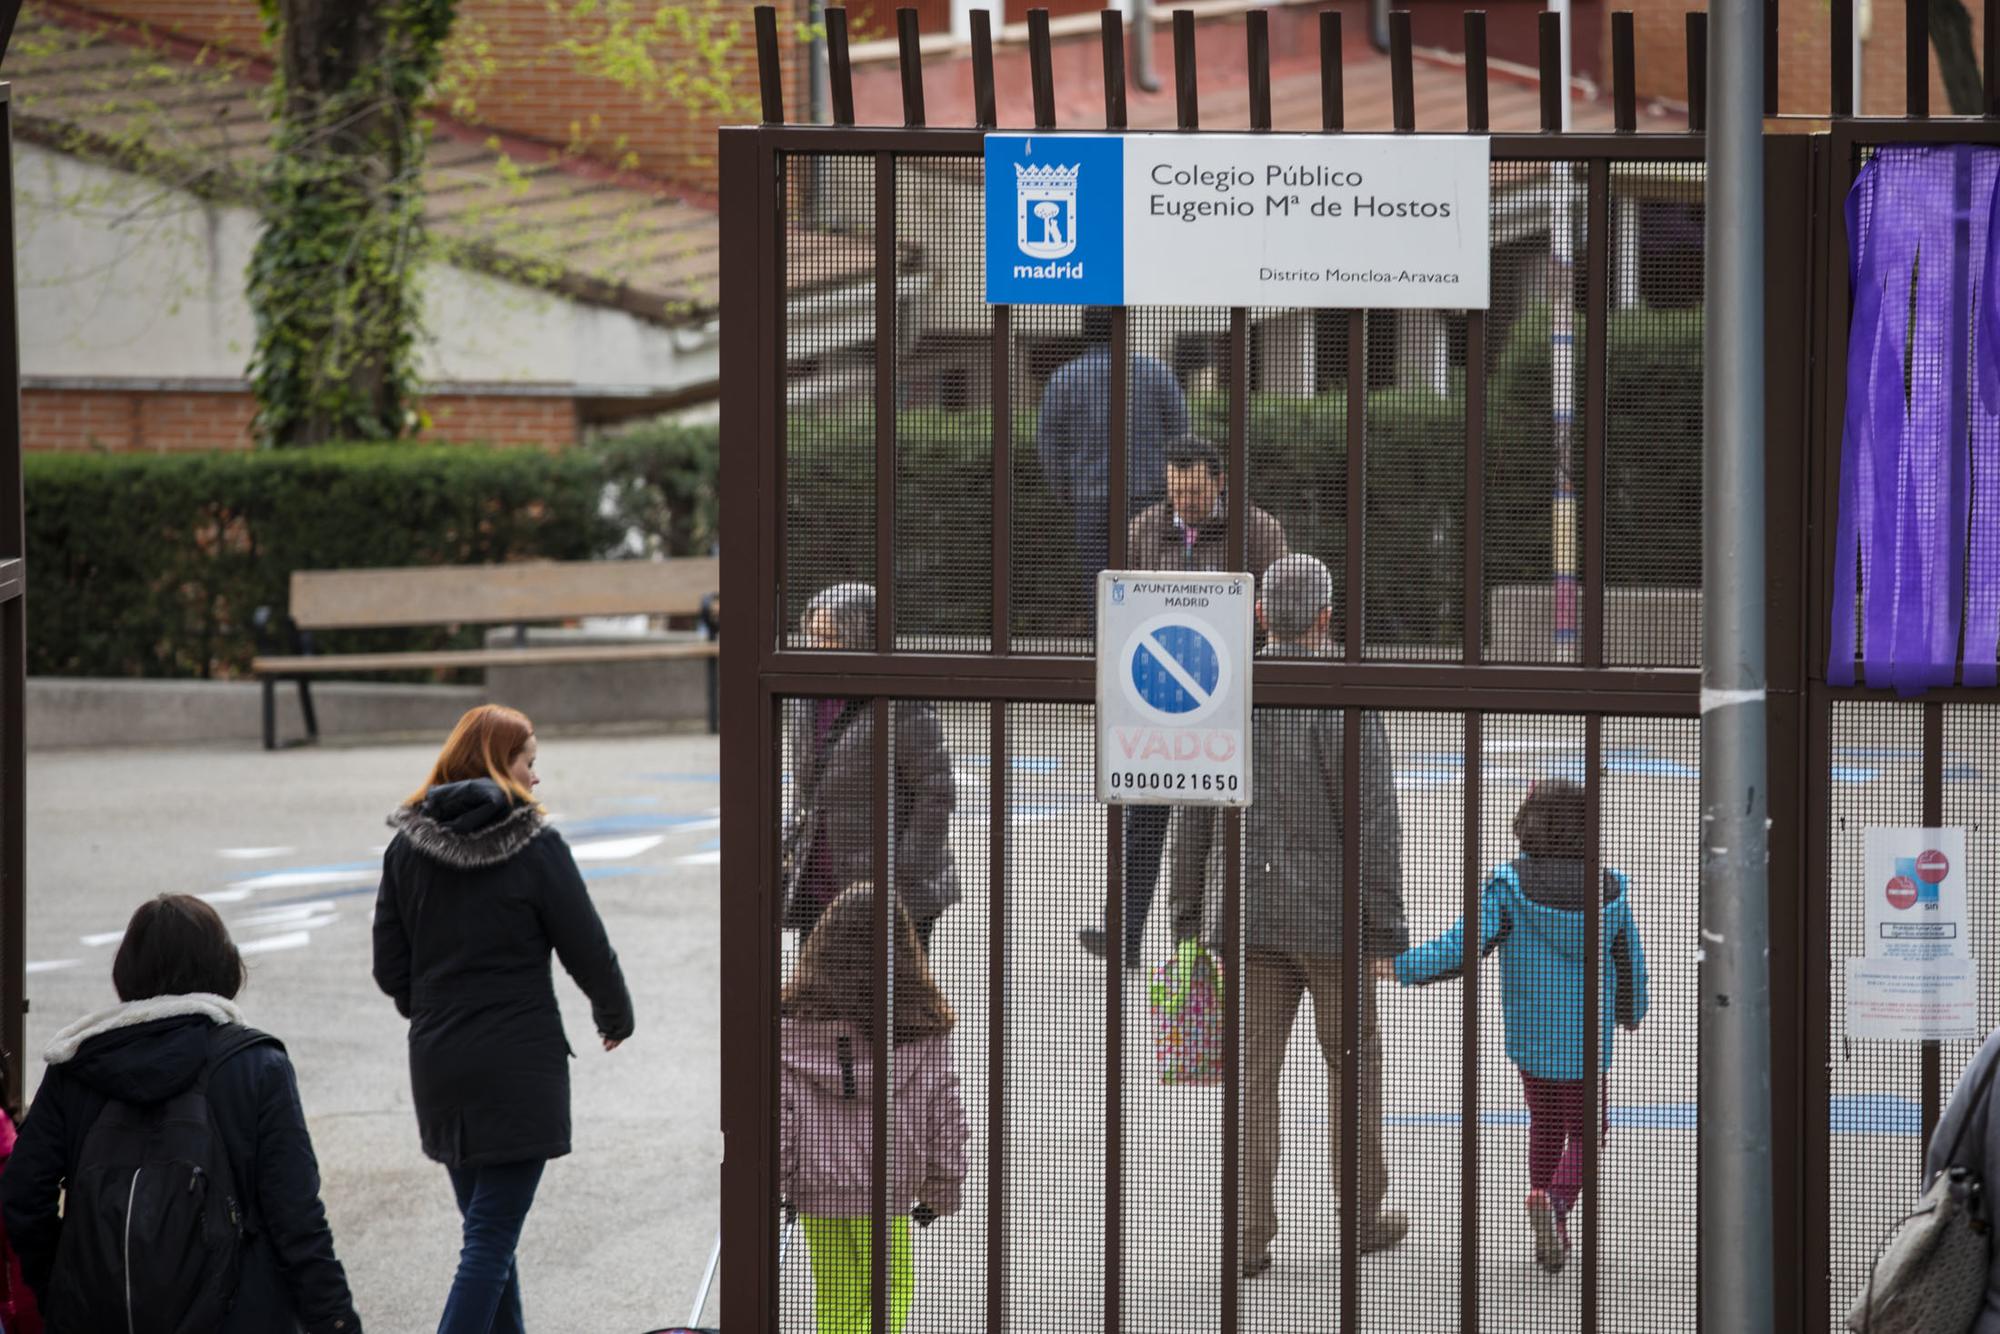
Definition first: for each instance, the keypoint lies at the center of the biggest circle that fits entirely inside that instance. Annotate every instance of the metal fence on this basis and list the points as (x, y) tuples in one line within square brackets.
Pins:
[(1509, 504)]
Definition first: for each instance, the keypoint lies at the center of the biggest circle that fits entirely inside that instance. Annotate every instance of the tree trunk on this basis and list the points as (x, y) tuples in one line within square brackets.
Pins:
[(332, 276), (1958, 61)]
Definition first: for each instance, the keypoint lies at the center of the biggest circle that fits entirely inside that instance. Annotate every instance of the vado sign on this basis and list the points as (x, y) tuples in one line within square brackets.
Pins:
[(1351, 220), (1173, 688)]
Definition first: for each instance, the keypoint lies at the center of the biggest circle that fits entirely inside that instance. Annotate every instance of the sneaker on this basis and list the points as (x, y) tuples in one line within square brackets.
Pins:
[(1258, 1266), (1551, 1246), (1383, 1232)]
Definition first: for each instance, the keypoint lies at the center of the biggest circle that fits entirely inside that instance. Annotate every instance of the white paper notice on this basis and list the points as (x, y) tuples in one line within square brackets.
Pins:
[(1914, 884), (1898, 1000)]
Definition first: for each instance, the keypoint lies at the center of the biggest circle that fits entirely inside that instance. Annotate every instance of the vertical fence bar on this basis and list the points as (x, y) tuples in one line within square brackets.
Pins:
[(1186, 102), (985, 113), (1624, 89), (1236, 478), (1041, 69), (839, 67), (1989, 67), (1112, 32), (1770, 57), (1917, 60), (1697, 56), (1476, 114), (1593, 1012), (1114, 865), (1553, 92), (997, 768), (1597, 284), (1351, 982), (1357, 478), (1332, 93), (1402, 72), (1843, 58), (770, 75), (910, 52), (885, 403), (1001, 355), (1930, 1083), (1473, 749), (1257, 49), (885, 982), (1474, 590)]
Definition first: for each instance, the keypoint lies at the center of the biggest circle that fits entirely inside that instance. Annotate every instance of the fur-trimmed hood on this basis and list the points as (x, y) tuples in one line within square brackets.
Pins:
[(469, 825), (126, 1014)]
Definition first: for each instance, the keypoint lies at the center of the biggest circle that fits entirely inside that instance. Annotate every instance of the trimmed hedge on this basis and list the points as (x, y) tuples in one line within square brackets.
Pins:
[(152, 565), (1415, 489)]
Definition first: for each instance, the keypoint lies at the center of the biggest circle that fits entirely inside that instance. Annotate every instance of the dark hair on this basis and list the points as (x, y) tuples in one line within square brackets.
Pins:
[(1191, 451), (836, 977), (1096, 325), (1553, 820), (175, 945)]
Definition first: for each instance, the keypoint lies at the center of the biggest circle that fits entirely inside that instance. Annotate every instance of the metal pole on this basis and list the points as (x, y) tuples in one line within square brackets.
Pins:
[(1143, 73), (1734, 1188), (1561, 9)]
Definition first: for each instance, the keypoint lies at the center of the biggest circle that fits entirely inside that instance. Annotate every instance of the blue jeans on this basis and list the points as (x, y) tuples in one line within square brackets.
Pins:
[(493, 1200)]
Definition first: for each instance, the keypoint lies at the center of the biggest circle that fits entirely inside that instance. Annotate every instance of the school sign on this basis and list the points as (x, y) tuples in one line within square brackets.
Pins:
[(1349, 221)]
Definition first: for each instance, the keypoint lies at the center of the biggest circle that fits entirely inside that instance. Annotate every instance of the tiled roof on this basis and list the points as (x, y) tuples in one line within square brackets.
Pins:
[(519, 211)]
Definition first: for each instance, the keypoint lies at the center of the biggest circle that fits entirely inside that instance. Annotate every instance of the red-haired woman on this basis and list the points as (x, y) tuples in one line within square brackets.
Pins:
[(477, 891)]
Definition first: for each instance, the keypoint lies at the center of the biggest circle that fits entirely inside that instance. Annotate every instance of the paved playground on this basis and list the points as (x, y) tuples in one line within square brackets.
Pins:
[(287, 845)]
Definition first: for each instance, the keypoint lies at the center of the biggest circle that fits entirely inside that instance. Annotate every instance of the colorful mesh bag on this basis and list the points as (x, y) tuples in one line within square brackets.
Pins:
[(1185, 996)]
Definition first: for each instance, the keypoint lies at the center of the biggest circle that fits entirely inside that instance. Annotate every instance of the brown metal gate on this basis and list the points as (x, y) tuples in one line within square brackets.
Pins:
[(13, 639), (881, 424)]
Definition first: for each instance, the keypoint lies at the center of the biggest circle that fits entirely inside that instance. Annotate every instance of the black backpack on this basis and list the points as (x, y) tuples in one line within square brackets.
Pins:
[(153, 1228)]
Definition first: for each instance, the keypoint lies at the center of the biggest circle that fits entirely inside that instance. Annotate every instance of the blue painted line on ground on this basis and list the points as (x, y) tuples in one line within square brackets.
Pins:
[(1850, 773), (630, 824), (613, 872), (1878, 753), (1863, 1114), (348, 893), (1020, 764), (1962, 773), (271, 872), (710, 845), (1651, 767)]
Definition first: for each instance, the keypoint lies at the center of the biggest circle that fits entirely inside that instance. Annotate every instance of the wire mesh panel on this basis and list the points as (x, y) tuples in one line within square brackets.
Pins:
[(940, 861), (1414, 528), (1970, 788), (1414, 1285), (1875, 778), (944, 412), (1297, 436), (1650, 813), (1055, 1086), (1653, 401), (1535, 391), (1059, 362), (1530, 1029), (829, 357)]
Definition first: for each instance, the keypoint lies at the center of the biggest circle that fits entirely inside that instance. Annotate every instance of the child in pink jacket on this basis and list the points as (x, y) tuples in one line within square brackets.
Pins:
[(826, 1149)]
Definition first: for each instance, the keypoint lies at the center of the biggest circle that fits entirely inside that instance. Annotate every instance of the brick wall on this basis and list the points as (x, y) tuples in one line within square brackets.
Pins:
[(59, 419), (1805, 31), (531, 87)]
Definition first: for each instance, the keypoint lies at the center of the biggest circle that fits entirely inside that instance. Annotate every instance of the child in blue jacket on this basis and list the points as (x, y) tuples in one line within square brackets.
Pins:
[(1532, 912)]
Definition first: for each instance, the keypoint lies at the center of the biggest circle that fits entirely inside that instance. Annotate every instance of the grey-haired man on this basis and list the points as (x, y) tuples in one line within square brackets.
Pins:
[(1293, 832)]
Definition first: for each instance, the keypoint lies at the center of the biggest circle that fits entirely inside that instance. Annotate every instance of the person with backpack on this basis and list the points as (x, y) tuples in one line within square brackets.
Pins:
[(826, 1119), (1532, 912), (477, 893), (164, 1122)]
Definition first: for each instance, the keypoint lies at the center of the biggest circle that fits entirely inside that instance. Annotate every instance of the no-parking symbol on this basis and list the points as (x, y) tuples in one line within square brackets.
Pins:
[(1173, 698)]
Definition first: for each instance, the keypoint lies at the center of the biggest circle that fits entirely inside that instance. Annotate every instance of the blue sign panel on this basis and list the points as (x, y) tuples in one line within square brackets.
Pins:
[(1177, 669), (1055, 220)]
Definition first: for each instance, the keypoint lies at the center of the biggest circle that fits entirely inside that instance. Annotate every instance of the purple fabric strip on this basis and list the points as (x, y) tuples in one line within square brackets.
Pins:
[(1920, 468)]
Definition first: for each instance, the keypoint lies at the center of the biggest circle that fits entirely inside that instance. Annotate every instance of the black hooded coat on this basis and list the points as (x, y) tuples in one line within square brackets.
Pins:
[(477, 892), (290, 1278)]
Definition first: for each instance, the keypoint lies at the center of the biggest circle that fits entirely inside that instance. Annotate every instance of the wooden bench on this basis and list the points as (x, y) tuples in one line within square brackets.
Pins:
[(511, 594)]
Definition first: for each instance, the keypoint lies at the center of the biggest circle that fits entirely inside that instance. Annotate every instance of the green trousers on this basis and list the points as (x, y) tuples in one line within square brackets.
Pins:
[(841, 1250)]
